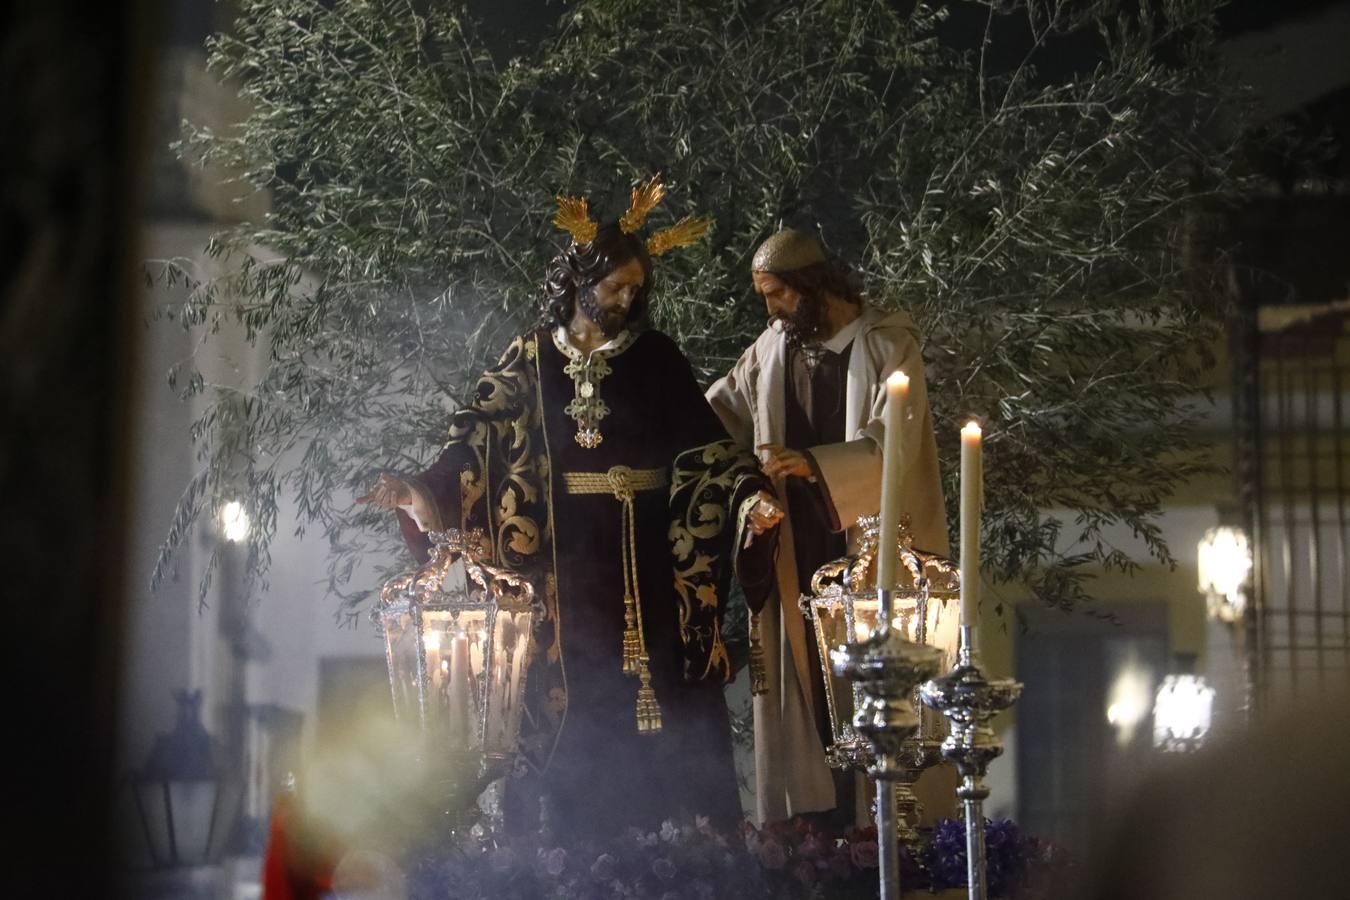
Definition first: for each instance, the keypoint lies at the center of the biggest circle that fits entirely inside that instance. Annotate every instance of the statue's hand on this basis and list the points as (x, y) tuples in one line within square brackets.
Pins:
[(390, 492), (780, 462), (765, 515)]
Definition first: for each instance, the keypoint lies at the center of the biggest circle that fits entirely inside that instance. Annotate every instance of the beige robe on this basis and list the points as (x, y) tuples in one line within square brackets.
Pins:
[(791, 774)]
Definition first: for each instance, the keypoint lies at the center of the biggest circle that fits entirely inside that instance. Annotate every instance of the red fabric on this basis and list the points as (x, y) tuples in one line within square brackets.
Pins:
[(293, 867)]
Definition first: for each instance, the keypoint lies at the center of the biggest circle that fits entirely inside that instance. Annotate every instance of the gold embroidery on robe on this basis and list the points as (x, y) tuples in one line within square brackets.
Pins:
[(703, 485), (503, 492)]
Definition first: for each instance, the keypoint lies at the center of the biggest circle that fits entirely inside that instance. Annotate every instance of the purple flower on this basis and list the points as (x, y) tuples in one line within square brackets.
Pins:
[(502, 860), (771, 855), (664, 869), (864, 854), (603, 867), (945, 855), (555, 861), (997, 834)]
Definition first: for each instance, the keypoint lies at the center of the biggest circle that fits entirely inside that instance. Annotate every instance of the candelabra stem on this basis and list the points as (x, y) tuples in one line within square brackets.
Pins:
[(970, 700), (886, 668), (973, 794), (888, 814), (888, 846), (885, 608)]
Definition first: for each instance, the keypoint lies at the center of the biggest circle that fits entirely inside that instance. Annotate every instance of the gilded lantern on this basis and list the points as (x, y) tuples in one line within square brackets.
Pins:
[(458, 636)]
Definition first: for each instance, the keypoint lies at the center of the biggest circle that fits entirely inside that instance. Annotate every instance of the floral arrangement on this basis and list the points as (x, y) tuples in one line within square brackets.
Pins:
[(695, 861), (1018, 865)]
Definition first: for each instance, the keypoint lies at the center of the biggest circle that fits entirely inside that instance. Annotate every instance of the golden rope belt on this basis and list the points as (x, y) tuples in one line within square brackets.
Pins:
[(622, 483)]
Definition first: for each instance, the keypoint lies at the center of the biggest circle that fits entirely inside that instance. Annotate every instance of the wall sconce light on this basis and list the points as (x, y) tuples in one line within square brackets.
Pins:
[(1224, 562), (234, 522), (1183, 712)]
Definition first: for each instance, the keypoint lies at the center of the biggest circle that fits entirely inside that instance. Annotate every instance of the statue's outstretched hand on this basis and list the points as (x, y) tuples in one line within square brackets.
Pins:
[(765, 515), (390, 492)]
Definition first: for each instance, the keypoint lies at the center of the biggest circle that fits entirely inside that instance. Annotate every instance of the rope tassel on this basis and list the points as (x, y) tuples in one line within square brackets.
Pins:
[(622, 482), (648, 710), (632, 640), (759, 676)]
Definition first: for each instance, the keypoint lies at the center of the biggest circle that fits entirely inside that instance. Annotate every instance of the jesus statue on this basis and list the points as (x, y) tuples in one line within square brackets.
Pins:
[(590, 459)]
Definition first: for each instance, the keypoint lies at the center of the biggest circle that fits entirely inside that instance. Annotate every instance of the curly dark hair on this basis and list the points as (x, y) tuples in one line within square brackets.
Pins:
[(818, 279), (582, 266)]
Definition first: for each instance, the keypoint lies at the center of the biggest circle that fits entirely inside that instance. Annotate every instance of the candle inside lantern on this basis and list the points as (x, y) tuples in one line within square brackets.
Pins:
[(897, 392), (431, 645), (972, 478), (461, 704)]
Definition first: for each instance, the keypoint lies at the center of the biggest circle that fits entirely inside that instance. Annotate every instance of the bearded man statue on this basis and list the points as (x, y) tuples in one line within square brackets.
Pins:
[(809, 394), (590, 459)]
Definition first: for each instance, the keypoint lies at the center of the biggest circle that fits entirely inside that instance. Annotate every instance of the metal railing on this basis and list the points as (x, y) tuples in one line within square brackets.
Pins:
[(1292, 404)]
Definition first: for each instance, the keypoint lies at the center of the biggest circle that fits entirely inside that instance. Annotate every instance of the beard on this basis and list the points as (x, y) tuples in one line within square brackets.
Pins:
[(805, 323), (609, 321)]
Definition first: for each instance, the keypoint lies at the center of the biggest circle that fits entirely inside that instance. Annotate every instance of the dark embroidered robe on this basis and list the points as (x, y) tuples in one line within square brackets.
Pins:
[(502, 471)]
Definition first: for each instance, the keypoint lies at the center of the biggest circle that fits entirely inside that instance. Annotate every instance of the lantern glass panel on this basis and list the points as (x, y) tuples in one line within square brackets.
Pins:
[(833, 631), (506, 681), (403, 655)]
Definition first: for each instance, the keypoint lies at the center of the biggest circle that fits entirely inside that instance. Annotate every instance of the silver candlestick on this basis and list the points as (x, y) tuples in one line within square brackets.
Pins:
[(970, 700), (887, 668)]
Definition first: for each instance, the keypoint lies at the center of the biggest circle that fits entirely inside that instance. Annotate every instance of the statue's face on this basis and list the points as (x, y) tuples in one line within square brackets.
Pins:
[(607, 304), (802, 316), (780, 300)]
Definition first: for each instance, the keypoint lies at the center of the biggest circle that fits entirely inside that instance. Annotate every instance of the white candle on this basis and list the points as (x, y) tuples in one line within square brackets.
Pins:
[(972, 486), (897, 392), (461, 711)]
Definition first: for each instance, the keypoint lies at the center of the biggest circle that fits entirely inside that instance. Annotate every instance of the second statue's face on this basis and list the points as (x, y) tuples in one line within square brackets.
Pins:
[(803, 316), (780, 299), (607, 304)]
